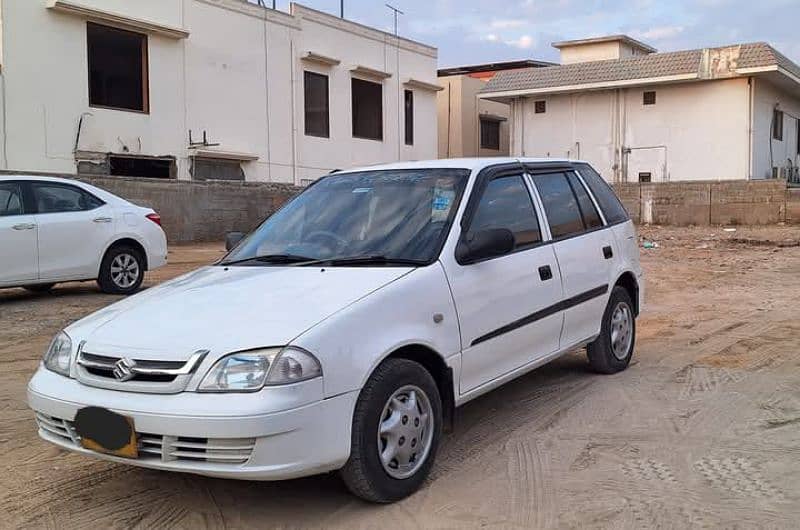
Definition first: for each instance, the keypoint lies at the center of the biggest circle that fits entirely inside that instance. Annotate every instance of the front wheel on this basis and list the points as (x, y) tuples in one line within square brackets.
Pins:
[(397, 424), (611, 352), (122, 271)]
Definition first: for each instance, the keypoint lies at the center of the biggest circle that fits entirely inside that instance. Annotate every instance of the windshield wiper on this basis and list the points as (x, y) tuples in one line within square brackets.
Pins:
[(364, 260), (271, 258)]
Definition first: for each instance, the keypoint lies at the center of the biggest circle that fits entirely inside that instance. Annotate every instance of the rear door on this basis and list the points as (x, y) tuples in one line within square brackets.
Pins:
[(17, 236), (74, 229), (585, 250), (503, 302)]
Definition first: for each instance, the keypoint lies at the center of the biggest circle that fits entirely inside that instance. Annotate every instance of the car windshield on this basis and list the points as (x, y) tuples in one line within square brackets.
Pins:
[(372, 217)]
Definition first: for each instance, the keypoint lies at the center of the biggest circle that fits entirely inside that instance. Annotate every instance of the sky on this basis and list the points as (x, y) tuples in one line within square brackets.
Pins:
[(478, 31)]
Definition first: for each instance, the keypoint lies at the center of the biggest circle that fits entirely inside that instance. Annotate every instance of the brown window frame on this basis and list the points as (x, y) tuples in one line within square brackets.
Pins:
[(306, 115), (649, 97), (485, 144), (408, 100), (145, 69), (777, 125), (540, 106), (353, 82)]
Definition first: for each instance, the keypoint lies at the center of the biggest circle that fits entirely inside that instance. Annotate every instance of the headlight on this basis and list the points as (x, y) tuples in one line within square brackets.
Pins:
[(58, 354), (251, 370)]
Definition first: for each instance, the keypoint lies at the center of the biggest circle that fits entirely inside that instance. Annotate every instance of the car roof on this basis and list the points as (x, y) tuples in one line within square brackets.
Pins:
[(101, 193), (459, 163)]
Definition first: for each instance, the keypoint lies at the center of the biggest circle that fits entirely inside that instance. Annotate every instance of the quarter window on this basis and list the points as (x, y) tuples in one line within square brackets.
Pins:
[(10, 199), (117, 68), (611, 205), (560, 205), (506, 203), (316, 105), (57, 198), (367, 109)]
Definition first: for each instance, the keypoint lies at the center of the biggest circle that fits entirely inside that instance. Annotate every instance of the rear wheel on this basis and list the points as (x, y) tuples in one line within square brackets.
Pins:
[(611, 352), (122, 270), (396, 428), (39, 287)]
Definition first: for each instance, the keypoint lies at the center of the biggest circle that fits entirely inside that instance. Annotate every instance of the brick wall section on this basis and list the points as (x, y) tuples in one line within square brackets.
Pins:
[(200, 211), (793, 205), (709, 202)]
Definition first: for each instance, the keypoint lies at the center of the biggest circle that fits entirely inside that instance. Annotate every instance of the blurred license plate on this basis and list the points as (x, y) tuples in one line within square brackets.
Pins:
[(107, 432)]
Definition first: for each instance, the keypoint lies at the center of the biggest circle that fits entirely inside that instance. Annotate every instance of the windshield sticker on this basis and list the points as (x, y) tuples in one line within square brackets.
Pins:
[(442, 200), (362, 190)]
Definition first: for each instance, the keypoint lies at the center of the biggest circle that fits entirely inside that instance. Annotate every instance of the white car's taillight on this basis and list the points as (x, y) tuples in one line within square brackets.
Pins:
[(155, 218)]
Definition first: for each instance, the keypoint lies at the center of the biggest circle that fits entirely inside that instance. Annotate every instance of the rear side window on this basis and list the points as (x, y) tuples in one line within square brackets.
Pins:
[(560, 204), (10, 199), (506, 203), (57, 198), (604, 195), (591, 219)]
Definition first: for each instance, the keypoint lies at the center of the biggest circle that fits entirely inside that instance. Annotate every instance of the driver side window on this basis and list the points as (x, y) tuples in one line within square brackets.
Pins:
[(506, 203)]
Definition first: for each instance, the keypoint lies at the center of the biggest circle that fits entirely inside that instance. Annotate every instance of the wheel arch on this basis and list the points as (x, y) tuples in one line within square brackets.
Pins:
[(628, 281), (129, 242), (442, 374)]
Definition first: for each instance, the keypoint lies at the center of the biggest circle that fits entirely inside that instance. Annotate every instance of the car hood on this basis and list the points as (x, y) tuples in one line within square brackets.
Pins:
[(226, 309)]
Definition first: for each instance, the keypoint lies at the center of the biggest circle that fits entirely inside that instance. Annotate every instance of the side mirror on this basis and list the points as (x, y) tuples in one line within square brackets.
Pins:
[(485, 244), (232, 239)]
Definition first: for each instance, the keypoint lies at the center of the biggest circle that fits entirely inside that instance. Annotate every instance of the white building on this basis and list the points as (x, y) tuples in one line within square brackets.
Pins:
[(637, 115), (470, 126), (116, 86)]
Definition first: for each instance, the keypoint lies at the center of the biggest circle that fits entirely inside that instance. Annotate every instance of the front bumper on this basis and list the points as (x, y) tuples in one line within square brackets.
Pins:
[(255, 436)]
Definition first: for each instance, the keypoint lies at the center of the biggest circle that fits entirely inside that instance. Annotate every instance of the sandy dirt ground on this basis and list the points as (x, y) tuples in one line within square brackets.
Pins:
[(703, 429)]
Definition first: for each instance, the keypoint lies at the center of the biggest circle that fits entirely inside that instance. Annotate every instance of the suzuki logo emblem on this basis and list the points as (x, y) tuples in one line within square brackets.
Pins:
[(123, 369)]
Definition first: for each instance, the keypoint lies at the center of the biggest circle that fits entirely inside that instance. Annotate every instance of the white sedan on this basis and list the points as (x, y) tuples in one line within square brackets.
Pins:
[(56, 230), (343, 332)]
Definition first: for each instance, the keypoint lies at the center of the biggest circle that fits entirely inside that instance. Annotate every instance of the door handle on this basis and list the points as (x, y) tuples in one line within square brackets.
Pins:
[(545, 273), (102, 219), (24, 226), (608, 253)]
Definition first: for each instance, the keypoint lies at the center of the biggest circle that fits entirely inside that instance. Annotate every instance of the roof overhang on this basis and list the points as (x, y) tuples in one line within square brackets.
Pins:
[(422, 85), (366, 71), (223, 155), (318, 58), (506, 96), (116, 19), (492, 117), (773, 73)]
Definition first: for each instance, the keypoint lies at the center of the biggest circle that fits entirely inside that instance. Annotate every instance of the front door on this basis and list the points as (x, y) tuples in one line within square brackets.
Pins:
[(585, 250), (503, 302), (74, 228), (17, 237)]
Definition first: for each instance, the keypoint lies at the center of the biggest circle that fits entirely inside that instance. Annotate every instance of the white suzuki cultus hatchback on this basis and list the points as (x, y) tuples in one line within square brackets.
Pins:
[(343, 332)]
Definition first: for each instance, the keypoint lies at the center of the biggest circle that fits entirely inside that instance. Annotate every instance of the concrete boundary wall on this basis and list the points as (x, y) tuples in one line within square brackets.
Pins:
[(201, 211), (711, 202), (206, 211)]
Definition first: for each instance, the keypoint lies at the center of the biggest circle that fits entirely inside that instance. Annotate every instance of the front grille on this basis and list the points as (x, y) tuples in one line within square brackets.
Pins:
[(103, 366), (136, 375), (165, 448)]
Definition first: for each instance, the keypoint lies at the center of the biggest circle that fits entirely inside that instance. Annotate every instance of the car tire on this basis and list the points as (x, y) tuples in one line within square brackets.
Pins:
[(611, 352), (385, 415), (122, 270), (39, 287)]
